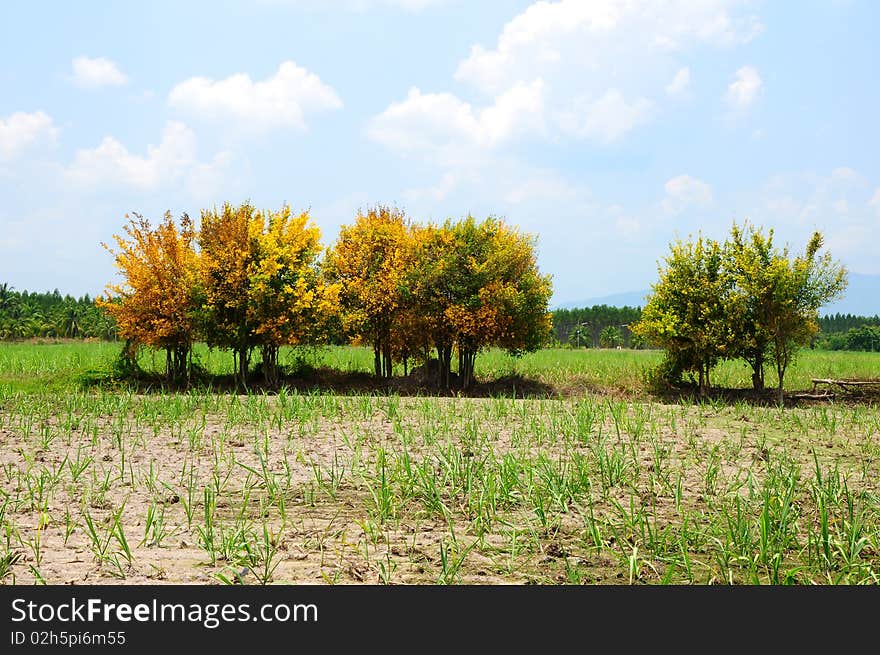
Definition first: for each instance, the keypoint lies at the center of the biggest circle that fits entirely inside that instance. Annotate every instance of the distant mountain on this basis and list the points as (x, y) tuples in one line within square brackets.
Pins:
[(626, 299), (862, 298)]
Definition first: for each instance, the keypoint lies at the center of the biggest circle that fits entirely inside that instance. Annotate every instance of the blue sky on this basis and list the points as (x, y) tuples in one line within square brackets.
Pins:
[(606, 127)]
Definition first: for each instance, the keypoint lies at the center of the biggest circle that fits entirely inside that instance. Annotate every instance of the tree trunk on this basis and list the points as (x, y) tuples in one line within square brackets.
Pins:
[(179, 363), (757, 364), (387, 362), (444, 361), (377, 360), (269, 355), (241, 374), (466, 368), (780, 371)]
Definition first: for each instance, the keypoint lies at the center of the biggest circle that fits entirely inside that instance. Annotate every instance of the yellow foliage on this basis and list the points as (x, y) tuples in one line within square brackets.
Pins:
[(154, 305)]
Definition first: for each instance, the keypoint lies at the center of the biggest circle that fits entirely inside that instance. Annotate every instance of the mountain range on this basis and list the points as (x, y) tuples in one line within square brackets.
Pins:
[(862, 298)]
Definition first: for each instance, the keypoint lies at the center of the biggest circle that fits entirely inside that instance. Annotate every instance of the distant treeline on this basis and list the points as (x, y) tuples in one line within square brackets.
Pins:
[(603, 326), (600, 326), (26, 315), (849, 332)]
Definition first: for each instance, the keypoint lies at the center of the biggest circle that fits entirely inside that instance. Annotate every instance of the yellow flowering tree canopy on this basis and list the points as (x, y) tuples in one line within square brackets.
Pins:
[(289, 302), (154, 305), (368, 263), (477, 284)]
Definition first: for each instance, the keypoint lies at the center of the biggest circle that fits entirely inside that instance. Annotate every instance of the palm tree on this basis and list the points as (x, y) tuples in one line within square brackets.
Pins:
[(71, 317), (7, 298)]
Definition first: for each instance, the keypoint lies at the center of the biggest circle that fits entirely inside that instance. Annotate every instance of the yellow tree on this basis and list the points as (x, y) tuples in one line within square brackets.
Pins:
[(290, 304), (369, 262), (691, 312), (228, 242), (154, 305), (477, 284)]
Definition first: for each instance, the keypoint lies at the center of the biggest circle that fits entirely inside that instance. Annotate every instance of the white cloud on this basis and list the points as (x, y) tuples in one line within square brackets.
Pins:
[(172, 162), (680, 82), (601, 66), (629, 228), (875, 201), (429, 122), (744, 90), (607, 119), (436, 192), (683, 192), (20, 130), (844, 175), (91, 73), (540, 185), (282, 100), (841, 204), (599, 33)]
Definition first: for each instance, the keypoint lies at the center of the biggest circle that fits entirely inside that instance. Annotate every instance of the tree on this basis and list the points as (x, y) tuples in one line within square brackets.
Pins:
[(745, 299), (688, 311), (477, 284), (229, 245), (776, 298), (369, 262), (611, 337), (154, 304), (802, 285), (7, 297), (290, 304), (750, 258)]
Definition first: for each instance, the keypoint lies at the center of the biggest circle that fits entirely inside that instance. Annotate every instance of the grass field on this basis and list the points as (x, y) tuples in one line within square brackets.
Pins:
[(600, 484), (63, 366)]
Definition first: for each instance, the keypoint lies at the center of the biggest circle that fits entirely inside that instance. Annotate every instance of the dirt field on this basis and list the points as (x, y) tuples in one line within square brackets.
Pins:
[(200, 488)]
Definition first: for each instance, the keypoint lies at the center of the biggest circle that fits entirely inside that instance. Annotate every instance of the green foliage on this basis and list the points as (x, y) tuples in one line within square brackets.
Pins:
[(582, 327), (26, 315), (611, 337), (744, 299), (689, 310), (477, 284)]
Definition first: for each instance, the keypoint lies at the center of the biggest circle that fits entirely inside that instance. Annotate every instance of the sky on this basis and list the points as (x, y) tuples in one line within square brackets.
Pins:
[(606, 128)]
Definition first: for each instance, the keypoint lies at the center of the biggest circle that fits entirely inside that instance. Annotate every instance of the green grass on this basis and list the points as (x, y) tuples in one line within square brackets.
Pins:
[(64, 366)]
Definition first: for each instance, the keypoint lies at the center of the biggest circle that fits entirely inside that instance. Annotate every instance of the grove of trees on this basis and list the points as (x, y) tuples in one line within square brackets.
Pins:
[(248, 280), (744, 298), (583, 327), (25, 315)]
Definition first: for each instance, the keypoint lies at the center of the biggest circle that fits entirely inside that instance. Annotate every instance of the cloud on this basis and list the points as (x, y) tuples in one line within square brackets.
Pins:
[(607, 119), (841, 204), (875, 201), (433, 122), (89, 73), (589, 70), (602, 34), (280, 101), (170, 163), (745, 89), (680, 82), (684, 192), (20, 130)]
